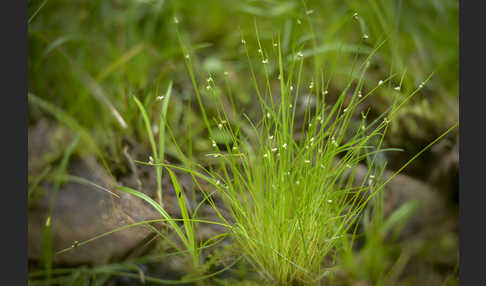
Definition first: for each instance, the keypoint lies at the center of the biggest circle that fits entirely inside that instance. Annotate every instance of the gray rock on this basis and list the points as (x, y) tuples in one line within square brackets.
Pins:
[(81, 212)]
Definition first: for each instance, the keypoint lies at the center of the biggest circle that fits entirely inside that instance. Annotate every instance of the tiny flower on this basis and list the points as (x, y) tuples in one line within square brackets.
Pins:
[(265, 61), (291, 87), (279, 77), (345, 110), (291, 106), (213, 143), (210, 79), (268, 114), (275, 44), (397, 88), (307, 161), (270, 137), (421, 85), (329, 201), (312, 139), (187, 56), (299, 22), (324, 92), (380, 82), (218, 182), (235, 148), (311, 85), (363, 115), (260, 51), (372, 176), (300, 55), (355, 15), (348, 166), (310, 124), (308, 12), (274, 149), (359, 94), (365, 36), (386, 120), (220, 126), (176, 20), (159, 98), (208, 87), (284, 146), (322, 166), (265, 155), (151, 159), (243, 41)]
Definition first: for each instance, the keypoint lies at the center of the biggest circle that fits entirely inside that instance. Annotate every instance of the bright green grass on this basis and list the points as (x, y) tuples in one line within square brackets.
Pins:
[(289, 203)]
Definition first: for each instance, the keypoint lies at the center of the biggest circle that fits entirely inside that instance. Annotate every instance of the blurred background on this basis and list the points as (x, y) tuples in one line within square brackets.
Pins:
[(86, 58)]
